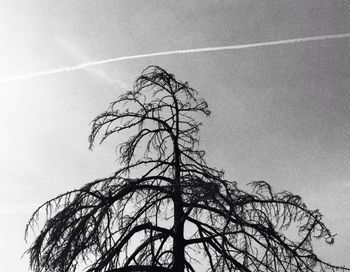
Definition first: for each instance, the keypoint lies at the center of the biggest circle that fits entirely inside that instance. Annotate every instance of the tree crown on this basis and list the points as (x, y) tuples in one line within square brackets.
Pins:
[(178, 211)]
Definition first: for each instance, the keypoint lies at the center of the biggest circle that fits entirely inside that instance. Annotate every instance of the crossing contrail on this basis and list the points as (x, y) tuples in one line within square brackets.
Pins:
[(175, 52)]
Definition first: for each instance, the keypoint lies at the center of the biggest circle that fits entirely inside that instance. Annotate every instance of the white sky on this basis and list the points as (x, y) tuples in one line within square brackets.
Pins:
[(279, 113)]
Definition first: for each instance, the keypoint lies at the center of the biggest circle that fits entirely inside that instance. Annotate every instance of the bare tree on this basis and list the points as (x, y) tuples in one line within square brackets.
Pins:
[(166, 209)]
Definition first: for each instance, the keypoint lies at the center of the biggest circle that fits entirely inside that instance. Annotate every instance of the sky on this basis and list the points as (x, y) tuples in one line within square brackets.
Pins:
[(280, 113)]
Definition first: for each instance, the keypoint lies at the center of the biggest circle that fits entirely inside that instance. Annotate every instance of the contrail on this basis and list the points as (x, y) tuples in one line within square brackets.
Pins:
[(174, 52)]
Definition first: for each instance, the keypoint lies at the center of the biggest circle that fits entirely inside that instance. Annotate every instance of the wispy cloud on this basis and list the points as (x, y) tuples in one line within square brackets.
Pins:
[(79, 55), (86, 65)]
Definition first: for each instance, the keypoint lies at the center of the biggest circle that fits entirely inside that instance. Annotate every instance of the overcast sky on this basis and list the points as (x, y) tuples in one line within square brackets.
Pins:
[(279, 113)]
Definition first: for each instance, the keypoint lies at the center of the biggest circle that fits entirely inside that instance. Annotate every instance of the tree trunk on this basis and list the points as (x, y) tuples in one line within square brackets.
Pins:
[(179, 242)]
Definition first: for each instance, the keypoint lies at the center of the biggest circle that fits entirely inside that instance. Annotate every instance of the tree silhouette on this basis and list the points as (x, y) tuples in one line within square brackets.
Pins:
[(166, 209)]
